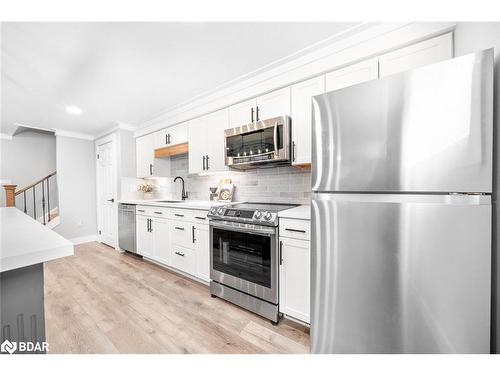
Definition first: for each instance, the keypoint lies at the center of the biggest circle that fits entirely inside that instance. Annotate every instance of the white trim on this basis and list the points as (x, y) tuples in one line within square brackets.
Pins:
[(83, 239), (118, 126), (5, 136), (54, 222), (369, 41), (71, 134)]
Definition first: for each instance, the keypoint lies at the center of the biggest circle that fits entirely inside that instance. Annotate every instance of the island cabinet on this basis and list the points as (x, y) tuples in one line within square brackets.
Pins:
[(177, 238), (295, 268)]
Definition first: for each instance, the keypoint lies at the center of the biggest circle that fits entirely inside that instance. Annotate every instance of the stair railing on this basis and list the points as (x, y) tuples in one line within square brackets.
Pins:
[(11, 194)]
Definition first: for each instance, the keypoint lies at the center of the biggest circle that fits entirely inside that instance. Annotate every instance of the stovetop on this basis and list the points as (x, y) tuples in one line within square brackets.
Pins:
[(255, 213)]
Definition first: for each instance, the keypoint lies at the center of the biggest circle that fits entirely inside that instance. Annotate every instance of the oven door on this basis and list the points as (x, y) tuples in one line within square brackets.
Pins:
[(244, 257)]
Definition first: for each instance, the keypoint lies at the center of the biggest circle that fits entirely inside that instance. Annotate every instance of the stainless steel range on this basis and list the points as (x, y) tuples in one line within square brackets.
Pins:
[(244, 256)]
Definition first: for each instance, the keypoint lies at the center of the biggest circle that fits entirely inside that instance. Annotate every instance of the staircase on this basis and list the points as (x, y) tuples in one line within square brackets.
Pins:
[(26, 200)]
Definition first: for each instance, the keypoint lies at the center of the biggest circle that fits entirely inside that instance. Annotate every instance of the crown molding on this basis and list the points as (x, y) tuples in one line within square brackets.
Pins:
[(361, 42), (117, 126), (71, 134)]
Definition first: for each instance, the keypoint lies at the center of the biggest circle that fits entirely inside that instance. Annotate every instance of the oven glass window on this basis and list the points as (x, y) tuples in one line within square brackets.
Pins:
[(254, 143), (243, 255)]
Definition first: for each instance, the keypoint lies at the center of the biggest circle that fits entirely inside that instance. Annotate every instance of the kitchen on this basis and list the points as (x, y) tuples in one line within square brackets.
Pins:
[(232, 223)]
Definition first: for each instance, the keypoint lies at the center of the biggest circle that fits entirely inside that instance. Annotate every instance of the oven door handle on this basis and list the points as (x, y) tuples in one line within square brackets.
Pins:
[(271, 231)]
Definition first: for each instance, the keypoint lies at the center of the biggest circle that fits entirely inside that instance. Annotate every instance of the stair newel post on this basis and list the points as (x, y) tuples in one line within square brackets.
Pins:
[(43, 202), (10, 195)]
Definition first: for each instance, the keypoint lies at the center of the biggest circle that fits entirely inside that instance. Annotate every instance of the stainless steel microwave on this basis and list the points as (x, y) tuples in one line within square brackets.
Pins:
[(261, 143)]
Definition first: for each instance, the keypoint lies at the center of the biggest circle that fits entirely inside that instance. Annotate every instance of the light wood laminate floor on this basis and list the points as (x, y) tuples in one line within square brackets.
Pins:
[(101, 301)]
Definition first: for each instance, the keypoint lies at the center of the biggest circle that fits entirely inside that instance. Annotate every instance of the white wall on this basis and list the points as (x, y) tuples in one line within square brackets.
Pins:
[(76, 177), (470, 37), (26, 158)]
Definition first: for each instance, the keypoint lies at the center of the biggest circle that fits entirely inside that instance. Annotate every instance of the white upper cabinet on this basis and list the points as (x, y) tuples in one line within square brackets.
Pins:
[(416, 55), (206, 142), (302, 117), (242, 113), (145, 155), (352, 75), (273, 104), (172, 136)]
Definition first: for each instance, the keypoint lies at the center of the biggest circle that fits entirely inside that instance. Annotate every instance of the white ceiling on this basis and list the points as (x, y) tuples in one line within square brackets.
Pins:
[(128, 72)]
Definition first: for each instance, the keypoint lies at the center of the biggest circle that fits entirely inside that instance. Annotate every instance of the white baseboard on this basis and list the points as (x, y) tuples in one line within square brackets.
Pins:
[(84, 239)]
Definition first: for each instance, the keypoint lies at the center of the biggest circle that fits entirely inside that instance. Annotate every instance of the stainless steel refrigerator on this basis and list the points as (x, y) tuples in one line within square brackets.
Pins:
[(401, 212)]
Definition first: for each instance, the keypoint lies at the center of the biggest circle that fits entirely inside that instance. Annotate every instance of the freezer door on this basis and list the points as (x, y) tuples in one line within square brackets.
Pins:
[(400, 274), (425, 130)]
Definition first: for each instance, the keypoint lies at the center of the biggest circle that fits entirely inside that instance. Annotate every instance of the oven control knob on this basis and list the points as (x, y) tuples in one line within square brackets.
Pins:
[(220, 211), (213, 210), (257, 215), (268, 216)]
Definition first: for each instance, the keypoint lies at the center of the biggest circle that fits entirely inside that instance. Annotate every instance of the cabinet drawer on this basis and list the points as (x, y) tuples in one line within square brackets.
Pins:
[(180, 214), (200, 217), (292, 228), (160, 212), (183, 259), (181, 233), (144, 210)]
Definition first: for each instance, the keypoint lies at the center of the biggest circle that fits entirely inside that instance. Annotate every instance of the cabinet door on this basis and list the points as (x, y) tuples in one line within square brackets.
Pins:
[(295, 278), (161, 240), (144, 237), (302, 116), (274, 104), (161, 138), (242, 113), (197, 145), (145, 155), (178, 134), (416, 55), (216, 124), (202, 250), (352, 75)]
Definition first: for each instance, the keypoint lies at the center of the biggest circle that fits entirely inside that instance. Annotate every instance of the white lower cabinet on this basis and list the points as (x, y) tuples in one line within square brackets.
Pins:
[(295, 269), (183, 259), (161, 240), (144, 236), (202, 250)]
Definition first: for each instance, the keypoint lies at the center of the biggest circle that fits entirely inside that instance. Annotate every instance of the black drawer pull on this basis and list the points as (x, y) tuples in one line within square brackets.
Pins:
[(141, 211), (180, 228), (201, 218), (295, 230), (158, 212), (180, 254), (179, 215)]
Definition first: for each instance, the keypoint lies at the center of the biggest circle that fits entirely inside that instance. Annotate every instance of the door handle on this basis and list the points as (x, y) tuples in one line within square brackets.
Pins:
[(166, 139), (251, 114), (169, 141), (194, 240), (257, 114), (150, 225), (203, 162), (179, 228), (111, 200), (207, 163), (275, 138), (147, 225), (150, 169), (281, 253), (293, 151)]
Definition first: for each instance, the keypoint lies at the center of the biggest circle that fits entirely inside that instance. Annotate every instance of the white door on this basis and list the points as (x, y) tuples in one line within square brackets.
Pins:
[(144, 236), (295, 278), (242, 113), (202, 250), (273, 104), (302, 117), (198, 145), (217, 123), (145, 155), (106, 192), (352, 75), (419, 54), (161, 240)]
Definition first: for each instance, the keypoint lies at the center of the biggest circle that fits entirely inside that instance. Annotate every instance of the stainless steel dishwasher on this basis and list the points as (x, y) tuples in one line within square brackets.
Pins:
[(126, 227)]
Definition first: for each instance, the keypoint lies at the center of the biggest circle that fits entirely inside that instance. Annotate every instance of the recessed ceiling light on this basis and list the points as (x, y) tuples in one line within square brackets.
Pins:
[(73, 110)]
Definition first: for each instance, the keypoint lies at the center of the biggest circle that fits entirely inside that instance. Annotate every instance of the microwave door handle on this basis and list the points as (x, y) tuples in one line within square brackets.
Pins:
[(275, 139)]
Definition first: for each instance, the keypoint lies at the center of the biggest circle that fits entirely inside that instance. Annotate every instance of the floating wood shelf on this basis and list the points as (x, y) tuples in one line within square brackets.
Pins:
[(181, 148)]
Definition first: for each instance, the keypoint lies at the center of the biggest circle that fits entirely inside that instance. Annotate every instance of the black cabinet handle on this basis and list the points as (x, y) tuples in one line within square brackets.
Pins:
[(150, 225), (194, 240), (111, 200), (141, 211), (203, 162), (295, 230), (158, 212), (147, 224), (179, 215), (150, 169), (251, 114), (169, 141), (180, 254), (166, 139), (201, 218), (179, 228), (293, 151), (257, 114), (281, 253), (207, 163)]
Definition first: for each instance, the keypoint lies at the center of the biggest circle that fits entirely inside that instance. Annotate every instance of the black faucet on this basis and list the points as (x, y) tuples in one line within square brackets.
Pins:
[(184, 193)]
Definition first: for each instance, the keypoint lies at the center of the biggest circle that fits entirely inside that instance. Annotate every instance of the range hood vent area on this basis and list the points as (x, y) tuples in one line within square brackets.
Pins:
[(165, 152)]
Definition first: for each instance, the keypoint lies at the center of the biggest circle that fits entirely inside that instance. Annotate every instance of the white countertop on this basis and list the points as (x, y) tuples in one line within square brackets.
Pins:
[(26, 241), (187, 204), (301, 212)]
